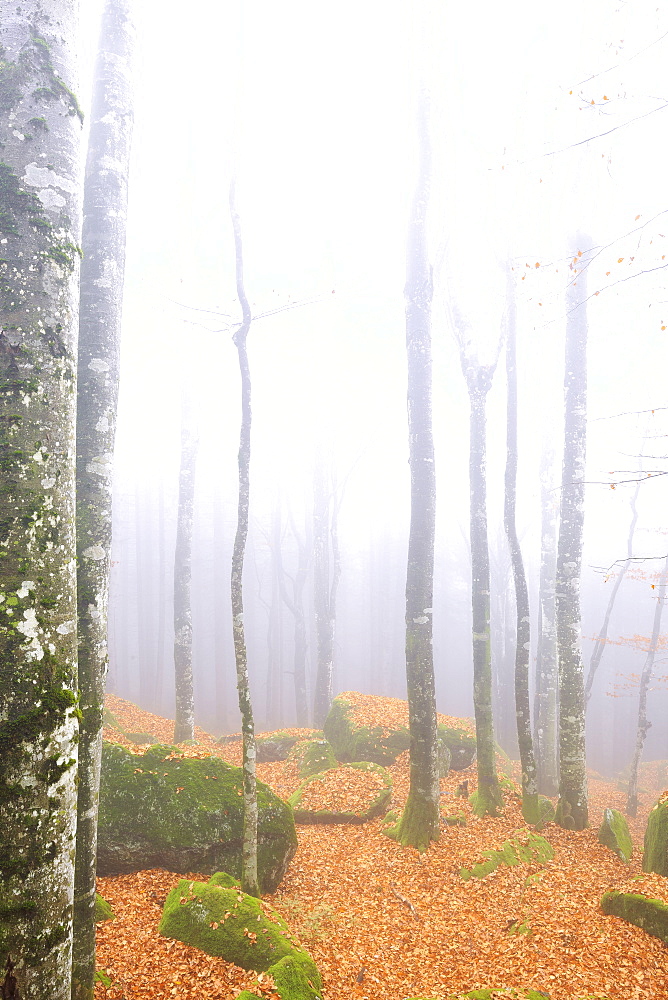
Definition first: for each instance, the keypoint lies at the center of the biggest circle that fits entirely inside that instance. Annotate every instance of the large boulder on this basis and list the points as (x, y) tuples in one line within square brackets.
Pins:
[(218, 918), (655, 856), (352, 793), (313, 756), (353, 740), (614, 833), (649, 914), (162, 809)]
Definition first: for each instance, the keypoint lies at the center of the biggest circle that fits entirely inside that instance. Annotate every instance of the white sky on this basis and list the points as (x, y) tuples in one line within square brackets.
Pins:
[(314, 104)]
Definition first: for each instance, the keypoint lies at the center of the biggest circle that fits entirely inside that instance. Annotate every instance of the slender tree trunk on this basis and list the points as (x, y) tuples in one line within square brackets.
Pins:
[(101, 296), (419, 822), (572, 809), (488, 798), (644, 724), (295, 605), (40, 230), (547, 682), (249, 847), (184, 723), (326, 573), (602, 636), (523, 632)]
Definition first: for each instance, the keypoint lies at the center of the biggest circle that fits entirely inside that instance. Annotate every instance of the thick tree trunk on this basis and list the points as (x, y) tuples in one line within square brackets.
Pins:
[(489, 800), (547, 680), (249, 847), (419, 822), (602, 636), (40, 229), (184, 721), (523, 632), (102, 272), (572, 809), (644, 724)]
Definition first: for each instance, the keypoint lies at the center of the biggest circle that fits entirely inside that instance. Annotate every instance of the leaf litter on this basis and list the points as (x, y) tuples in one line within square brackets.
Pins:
[(383, 921)]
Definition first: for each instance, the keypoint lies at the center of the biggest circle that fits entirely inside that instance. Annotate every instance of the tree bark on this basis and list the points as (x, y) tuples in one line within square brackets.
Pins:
[(572, 808), (101, 298), (326, 575), (547, 682), (40, 229), (523, 632), (489, 800), (644, 724), (419, 822), (249, 847), (184, 722)]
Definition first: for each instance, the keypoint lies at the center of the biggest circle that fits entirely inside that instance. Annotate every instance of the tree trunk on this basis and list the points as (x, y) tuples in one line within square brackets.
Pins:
[(184, 722), (572, 809), (249, 847), (643, 722), (489, 800), (602, 636), (101, 296), (523, 632), (419, 822), (40, 229), (326, 574), (547, 683), (295, 605)]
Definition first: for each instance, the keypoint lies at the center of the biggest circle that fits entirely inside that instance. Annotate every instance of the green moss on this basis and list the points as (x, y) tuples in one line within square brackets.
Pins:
[(376, 744), (527, 848), (614, 833), (160, 809), (649, 914), (314, 757), (461, 744), (418, 824), (103, 910), (655, 855), (225, 922), (376, 808)]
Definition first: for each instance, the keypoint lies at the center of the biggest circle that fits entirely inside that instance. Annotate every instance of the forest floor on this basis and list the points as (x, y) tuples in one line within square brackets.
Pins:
[(384, 922)]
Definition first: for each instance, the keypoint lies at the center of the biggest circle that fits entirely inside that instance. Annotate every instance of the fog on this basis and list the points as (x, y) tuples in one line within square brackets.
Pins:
[(546, 122)]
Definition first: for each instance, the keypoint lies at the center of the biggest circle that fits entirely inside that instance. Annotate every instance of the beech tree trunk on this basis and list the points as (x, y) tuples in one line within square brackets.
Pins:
[(419, 822), (602, 636), (40, 229), (326, 575), (184, 721), (249, 847), (572, 808), (101, 297), (644, 724), (523, 631), (547, 681), (489, 800)]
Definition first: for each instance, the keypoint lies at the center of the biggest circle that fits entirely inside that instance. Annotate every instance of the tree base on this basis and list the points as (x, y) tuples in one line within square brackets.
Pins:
[(418, 824), (487, 802)]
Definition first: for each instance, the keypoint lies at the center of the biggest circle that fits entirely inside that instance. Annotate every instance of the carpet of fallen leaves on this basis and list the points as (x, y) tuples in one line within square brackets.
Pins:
[(342, 789), (386, 922)]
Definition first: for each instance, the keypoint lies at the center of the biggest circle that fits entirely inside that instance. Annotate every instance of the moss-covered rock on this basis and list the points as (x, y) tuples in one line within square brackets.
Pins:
[(163, 810), (649, 914), (383, 744), (103, 910), (527, 848), (225, 922), (313, 757), (545, 811), (461, 744), (274, 747), (350, 742), (614, 833), (655, 856), (342, 795)]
